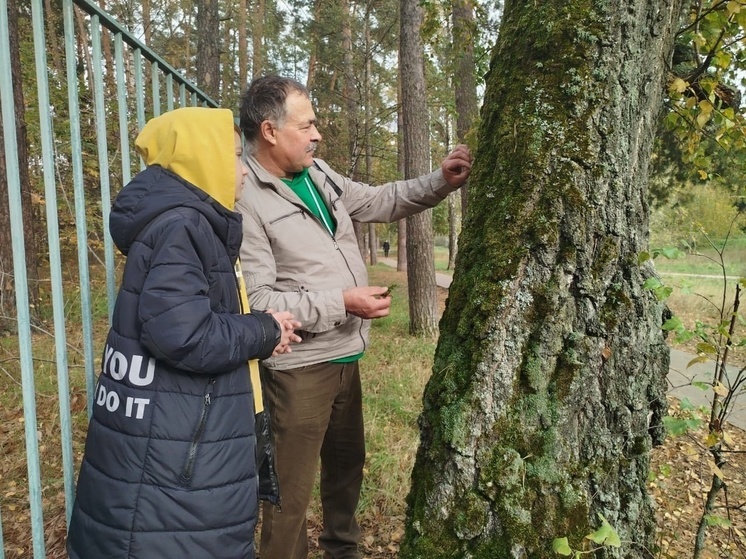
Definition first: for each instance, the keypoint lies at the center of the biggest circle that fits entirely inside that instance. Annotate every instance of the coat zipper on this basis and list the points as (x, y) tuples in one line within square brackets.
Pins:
[(186, 475)]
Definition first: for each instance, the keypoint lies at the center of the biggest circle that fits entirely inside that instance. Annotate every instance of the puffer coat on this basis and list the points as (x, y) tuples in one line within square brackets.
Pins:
[(169, 467)]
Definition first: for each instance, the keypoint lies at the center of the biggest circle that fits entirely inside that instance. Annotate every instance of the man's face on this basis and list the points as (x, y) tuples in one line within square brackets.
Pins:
[(296, 138)]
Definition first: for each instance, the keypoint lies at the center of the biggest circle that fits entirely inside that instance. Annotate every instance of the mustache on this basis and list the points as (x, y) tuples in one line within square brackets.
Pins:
[(312, 147)]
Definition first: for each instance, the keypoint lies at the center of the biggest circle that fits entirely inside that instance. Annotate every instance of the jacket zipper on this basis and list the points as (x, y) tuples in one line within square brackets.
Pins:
[(186, 475), (349, 269)]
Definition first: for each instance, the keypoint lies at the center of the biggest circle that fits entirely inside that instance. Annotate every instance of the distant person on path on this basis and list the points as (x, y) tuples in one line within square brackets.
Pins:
[(386, 247), (169, 469), (301, 255)]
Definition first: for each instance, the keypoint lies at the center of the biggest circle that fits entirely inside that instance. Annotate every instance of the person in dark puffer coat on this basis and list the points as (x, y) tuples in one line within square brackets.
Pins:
[(169, 468)]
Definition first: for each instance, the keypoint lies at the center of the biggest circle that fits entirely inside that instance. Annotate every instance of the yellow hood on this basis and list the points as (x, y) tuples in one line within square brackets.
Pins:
[(197, 144)]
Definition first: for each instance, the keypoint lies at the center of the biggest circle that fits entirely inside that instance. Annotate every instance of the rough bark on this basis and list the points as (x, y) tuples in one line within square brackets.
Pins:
[(549, 378), (420, 259), (372, 237)]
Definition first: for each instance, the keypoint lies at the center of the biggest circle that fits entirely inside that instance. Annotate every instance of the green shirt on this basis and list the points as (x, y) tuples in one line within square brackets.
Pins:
[(304, 189)]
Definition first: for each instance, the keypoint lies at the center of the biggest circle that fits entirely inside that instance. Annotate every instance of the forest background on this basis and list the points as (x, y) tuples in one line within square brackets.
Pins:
[(347, 53)]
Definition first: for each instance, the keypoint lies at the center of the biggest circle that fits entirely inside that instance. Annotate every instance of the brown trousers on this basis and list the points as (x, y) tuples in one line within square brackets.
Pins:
[(316, 411)]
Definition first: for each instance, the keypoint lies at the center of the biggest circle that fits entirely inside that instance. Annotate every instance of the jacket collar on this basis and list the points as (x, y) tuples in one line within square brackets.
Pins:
[(268, 180)]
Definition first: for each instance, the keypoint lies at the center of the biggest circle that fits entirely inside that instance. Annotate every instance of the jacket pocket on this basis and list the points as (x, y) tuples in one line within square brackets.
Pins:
[(186, 474), (277, 220)]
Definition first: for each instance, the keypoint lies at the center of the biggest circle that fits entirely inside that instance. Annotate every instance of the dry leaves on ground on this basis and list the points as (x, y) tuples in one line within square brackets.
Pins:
[(680, 478)]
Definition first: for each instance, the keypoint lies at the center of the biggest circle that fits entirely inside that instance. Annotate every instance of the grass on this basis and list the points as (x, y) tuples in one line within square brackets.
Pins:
[(704, 285), (14, 505), (441, 258), (708, 259)]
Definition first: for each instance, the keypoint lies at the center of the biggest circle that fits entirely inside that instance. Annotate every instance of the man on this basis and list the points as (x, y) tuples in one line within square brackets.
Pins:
[(301, 254)]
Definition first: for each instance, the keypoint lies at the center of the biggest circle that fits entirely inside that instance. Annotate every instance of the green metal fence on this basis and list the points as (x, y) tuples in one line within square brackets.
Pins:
[(94, 145)]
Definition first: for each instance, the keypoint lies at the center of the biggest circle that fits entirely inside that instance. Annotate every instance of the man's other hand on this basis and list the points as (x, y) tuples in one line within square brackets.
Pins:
[(367, 302)]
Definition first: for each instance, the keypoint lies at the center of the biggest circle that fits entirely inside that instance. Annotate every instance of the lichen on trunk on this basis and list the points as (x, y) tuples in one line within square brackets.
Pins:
[(549, 376)]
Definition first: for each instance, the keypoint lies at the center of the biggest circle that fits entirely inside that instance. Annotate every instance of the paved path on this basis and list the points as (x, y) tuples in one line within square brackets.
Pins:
[(706, 276), (679, 380), (679, 376)]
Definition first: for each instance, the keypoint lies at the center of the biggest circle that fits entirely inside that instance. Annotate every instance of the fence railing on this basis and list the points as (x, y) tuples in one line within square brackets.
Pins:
[(80, 120)]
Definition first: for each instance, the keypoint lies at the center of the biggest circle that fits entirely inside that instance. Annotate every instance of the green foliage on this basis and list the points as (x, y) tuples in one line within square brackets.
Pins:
[(715, 338), (561, 547), (715, 520), (694, 213), (702, 135), (681, 426), (605, 536)]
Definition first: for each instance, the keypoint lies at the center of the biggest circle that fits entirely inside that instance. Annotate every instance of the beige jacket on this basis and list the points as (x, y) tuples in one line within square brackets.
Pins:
[(290, 262)]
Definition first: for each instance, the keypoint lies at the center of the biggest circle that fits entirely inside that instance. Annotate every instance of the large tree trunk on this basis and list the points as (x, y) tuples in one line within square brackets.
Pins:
[(548, 385), (208, 47), (423, 306)]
